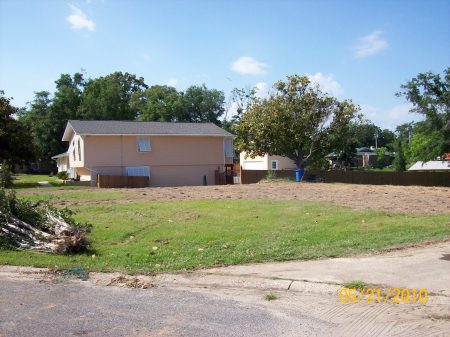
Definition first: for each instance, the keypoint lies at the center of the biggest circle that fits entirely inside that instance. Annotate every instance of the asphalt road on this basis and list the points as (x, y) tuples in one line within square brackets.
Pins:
[(33, 308)]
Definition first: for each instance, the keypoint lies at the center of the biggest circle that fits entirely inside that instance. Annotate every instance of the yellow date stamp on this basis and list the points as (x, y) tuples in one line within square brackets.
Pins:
[(378, 295)]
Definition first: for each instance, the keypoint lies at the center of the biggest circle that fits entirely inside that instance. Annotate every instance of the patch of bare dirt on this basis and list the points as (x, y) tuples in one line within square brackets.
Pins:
[(403, 199), (129, 282)]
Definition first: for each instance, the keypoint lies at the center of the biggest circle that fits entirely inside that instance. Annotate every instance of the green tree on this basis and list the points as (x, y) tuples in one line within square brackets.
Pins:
[(297, 121), (429, 94), (423, 143), (386, 138), (382, 157), (399, 160), (159, 103), (15, 140), (240, 101), (47, 117), (110, 97), (201, 104)]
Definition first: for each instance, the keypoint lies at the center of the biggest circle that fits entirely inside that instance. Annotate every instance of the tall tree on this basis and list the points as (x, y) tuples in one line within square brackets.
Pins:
[(429, 94), (159, 103), (109, 97), (297, 121), (201, 104), (240, 100), (47, 117), (15, 140), (399, 160)]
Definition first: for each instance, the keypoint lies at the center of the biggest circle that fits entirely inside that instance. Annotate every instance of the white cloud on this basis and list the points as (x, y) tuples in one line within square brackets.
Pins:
[(327, 83), (391, 117), (399, 112), (246, 65), (232, 110), (78, 19), (172, 82), (370, 44), (368, 111), (262, 89)]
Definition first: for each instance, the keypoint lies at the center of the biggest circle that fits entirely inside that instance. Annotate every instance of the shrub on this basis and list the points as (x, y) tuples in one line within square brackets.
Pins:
[(271, 174), (6, 179), (63, 175)]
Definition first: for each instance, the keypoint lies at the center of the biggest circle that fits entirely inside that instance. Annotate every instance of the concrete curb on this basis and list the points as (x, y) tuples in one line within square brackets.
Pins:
[(191, 280)]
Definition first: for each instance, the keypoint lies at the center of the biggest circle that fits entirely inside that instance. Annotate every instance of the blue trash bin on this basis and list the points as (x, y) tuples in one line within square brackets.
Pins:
[(299, 174)]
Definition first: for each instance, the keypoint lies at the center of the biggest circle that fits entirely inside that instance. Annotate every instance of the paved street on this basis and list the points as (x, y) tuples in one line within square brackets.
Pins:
[(230, 301), (31, 308)]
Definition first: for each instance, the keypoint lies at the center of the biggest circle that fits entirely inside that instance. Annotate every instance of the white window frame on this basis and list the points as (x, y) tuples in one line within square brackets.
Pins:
[(276, 165), (147, 148)]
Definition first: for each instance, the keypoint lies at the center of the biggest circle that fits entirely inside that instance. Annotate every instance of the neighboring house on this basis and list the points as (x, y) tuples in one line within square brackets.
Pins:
[(171, 154), (364, 157), (266, 162), (434, 165)]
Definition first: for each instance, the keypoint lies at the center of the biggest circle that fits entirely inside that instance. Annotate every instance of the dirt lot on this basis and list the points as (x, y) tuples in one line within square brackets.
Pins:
[(404, 199)]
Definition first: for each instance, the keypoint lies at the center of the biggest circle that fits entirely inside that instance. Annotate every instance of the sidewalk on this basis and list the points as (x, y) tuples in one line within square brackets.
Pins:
[(425, 267)]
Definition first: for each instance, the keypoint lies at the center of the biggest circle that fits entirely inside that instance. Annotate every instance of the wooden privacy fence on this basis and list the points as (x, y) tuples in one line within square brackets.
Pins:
[(122, 181), (357, 177)]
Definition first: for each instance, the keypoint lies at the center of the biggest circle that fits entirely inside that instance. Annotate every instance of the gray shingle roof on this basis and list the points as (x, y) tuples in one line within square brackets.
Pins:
[(146, 128)]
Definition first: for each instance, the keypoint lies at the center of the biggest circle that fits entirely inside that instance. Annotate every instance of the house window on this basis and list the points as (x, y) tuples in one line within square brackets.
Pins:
[(228, 146), (143, 144), (274, 164), (73, 154), (138, 171), (79, 150)]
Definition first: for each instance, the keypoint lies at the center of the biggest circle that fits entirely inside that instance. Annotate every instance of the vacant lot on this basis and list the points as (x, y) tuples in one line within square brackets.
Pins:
[(400, 199), (166, 229)]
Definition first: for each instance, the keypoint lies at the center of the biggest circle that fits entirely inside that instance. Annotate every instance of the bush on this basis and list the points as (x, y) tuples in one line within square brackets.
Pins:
[(63, 175), (271, 174), (6, 179)]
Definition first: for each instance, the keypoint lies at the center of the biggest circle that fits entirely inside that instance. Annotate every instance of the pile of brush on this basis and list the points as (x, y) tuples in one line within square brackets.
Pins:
[(39, 226)]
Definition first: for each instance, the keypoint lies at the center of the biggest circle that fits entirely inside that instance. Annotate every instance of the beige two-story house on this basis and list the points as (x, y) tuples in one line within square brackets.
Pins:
[(266, 162), (171, 154)]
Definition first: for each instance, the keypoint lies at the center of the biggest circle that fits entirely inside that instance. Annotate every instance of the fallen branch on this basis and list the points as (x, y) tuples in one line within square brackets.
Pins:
[(53, 230)]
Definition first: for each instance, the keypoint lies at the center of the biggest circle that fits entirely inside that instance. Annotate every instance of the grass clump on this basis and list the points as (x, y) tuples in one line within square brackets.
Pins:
[(270, 297), (356, 284)]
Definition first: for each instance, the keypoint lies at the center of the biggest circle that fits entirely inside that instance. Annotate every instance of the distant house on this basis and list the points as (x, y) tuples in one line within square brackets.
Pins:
[(434, 165), (171, 154), (266, 162), (364, 157)]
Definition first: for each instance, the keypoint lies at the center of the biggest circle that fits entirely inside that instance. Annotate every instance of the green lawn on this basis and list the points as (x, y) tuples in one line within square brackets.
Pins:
[(31, 180), (167, 236)]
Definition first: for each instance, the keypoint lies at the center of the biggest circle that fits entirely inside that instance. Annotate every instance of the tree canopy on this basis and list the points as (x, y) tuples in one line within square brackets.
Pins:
[(15, 140), (109, 97), (165, 104), (297, 121), (429, 94)]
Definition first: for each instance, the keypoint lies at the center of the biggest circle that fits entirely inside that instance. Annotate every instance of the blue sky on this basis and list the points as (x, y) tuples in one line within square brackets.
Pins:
[(362, 50)]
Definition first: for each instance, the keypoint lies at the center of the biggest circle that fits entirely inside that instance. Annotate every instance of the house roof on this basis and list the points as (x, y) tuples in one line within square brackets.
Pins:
[(64, 154), (430, 165), (142, 128)]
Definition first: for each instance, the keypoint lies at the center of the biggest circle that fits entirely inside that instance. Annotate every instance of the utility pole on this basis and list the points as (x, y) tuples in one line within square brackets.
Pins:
[(376, 139)]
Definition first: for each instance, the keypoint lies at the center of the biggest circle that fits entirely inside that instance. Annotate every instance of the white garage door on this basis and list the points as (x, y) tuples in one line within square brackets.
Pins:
[(253, 165)]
